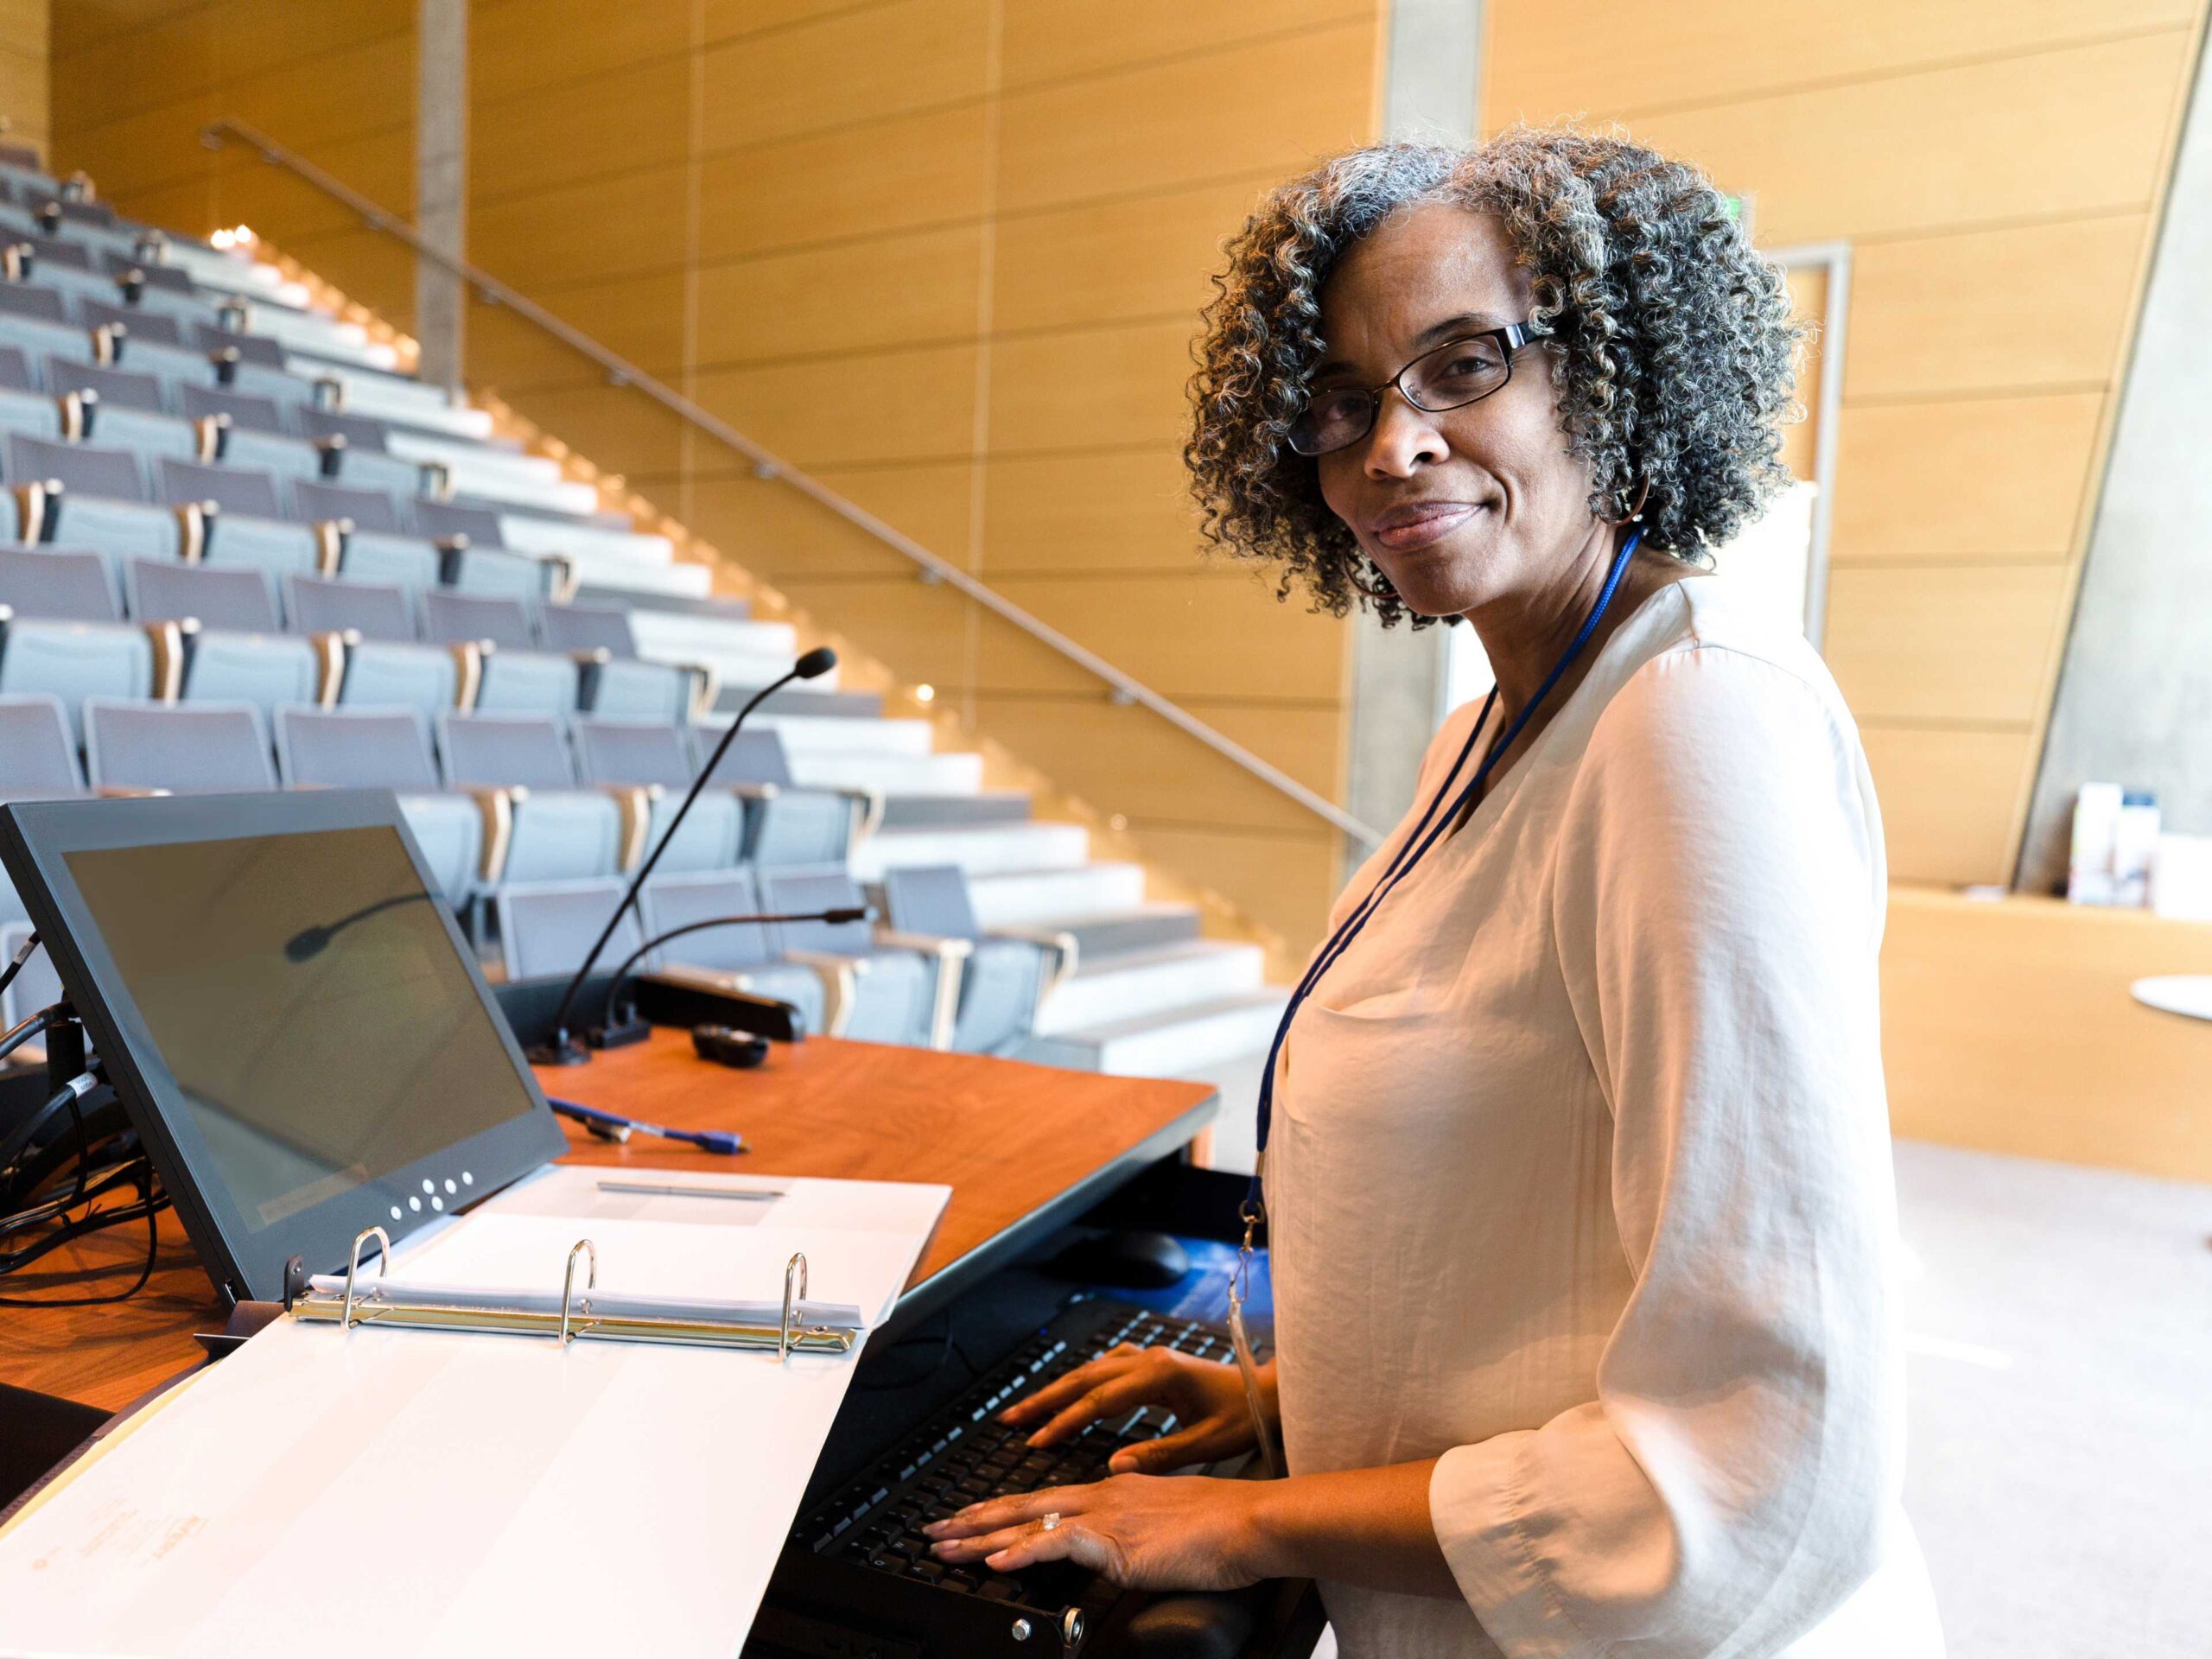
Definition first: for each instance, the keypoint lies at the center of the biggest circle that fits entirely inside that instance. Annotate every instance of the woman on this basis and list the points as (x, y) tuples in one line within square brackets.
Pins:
[(1576, 1160)]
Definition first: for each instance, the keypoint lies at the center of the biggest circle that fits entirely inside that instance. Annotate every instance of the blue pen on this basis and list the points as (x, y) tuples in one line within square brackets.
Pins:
[(607, 1125)]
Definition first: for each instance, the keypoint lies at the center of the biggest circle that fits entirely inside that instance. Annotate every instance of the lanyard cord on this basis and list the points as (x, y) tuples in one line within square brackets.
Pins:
[(1424, 835)]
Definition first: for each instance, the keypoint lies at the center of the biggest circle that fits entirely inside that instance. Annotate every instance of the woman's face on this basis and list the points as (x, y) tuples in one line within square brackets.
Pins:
[(1474, 504)]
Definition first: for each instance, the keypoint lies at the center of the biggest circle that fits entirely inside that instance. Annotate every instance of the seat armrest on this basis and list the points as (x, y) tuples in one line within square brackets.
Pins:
[(1062, 944), (127, 793), (497, 808), (635, 802), (867, 810), (838, 974), (950, 956)]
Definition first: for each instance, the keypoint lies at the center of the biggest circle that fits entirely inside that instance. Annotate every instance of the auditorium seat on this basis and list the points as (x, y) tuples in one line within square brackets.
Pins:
[(205, 748), (1005, 976), (552, 829), (239, 516), (387, 748), (615, 681), (38, 752), (381, 662), (59, 584), (23, 407), (76, 494), (516, 677), (363, 531), (152, 344), (784, 823), (65, 268), (74, 661), (653, 755), (881, 995), (547, 928), (741, 956), (36, 323), (118, 410), (224, 635)]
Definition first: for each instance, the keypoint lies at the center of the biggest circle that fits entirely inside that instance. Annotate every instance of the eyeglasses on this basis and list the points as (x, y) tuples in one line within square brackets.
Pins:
[(1450, 376)]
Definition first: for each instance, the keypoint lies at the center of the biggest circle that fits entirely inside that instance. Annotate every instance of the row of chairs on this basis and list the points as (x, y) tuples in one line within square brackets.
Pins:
[(929, 977), (149, 330), (209, 633), (502, 799)]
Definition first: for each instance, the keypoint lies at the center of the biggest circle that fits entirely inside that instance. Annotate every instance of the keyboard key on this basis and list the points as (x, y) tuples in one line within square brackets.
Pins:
[(956, 1580), (928, 1571), (1000, 1589)]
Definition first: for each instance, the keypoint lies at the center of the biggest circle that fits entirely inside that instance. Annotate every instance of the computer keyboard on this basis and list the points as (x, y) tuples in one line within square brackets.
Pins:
[(870, 1528)]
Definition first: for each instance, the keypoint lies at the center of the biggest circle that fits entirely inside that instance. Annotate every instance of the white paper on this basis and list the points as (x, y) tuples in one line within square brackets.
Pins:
[(380, 1492)]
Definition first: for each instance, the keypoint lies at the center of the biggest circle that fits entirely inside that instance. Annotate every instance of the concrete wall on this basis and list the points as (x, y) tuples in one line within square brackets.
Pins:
[(2135, 695)]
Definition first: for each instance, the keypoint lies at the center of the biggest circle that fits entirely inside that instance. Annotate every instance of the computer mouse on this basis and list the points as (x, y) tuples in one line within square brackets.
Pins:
[(1125, 1261)]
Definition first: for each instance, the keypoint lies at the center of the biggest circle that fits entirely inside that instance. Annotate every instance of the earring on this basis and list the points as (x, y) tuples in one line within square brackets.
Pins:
[(1386, 591), (1634, 514)]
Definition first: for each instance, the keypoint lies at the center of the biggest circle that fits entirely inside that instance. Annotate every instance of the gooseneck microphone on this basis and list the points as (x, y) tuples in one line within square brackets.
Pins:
[(614, 1033), (560, 1049)]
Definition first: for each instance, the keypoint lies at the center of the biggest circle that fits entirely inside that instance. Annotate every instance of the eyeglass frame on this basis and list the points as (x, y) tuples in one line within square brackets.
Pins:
[(1511, 337)]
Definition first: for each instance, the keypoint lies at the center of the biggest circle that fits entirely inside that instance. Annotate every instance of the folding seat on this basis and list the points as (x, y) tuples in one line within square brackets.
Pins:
[(786, 824), (234, 516), (217, 638), (652, 755), (127, 338), (1004, 976), (741, 957), (59, 585), (201, 747), (516, 677), (80, 495), (359, 531), (237, 430), (477, 560), (160, 290), (368, 629), (540, 826), (38, 762), (548, 928), (361, 462), (615, 681), (386, 748), (881, 995), (66, 268), (257, 367), (118, 410), (23, 407), (36, 323)]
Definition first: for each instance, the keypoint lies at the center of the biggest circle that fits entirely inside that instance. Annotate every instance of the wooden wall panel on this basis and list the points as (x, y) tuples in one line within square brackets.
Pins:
[(1055, 513), (1999, 170), (1131, 258), (835, 300), (1068, 38), (25, 71), (1103, 388)]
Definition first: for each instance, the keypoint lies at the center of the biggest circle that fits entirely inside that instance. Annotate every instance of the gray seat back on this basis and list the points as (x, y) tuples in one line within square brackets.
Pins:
[(459, 619), (111, 388), (15, 370), (209, 746), (589, 628), (75, 661), (440, 519), (36, 750), (235, 597), (755, 756), (234, 489), (373, 610), (673, 901), (246, 413), (547, 927), (319, 504), (929, 899), (360, 431), (80, 468), (353, 748), (630, 751), (59, 584), (502, 750), (794, 888)]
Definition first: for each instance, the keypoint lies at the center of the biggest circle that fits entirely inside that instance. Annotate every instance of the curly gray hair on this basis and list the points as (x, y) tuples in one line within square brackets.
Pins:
[(1671, 342)]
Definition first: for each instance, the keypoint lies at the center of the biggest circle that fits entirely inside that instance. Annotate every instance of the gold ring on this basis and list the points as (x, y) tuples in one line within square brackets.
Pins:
[(1051, 1520)]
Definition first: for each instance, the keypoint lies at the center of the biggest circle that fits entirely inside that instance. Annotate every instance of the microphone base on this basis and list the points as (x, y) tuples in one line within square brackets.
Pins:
[(624, 1033), (560, 1052)]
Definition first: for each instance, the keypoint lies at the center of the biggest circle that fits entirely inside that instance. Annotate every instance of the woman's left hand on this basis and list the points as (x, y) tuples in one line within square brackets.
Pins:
[(1145, 1532)]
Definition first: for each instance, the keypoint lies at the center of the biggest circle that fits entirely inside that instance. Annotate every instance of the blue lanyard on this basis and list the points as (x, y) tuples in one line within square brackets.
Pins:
[(1425, 835)]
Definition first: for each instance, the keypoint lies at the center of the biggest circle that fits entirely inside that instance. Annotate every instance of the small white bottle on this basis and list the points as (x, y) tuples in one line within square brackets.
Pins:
[(2096, 829), (2134, 849)]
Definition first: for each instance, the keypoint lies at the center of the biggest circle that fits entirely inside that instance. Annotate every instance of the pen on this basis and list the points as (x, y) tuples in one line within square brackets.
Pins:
[(661, 1189)]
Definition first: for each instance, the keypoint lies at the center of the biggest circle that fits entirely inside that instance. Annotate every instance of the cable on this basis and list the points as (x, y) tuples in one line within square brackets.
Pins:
[(15, 965), (31, 1027)]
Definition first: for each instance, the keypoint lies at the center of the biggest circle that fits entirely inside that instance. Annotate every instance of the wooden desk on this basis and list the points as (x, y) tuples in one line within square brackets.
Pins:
[(1016, 1143)]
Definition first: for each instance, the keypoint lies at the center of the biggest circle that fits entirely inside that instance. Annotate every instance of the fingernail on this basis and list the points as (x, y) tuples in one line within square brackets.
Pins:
[(935, 1528), (945, 1548), (997, 1561), (1038, 1439)]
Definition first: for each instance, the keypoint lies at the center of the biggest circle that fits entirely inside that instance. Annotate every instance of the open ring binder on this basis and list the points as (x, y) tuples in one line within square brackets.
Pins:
[(576, 1320)]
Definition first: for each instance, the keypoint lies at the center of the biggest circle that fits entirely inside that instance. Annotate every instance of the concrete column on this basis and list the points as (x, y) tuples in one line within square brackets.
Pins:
[(1398, 675), (2134, 698), (441, 182)]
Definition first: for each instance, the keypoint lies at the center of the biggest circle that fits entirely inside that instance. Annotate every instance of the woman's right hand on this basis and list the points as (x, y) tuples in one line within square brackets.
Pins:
[(1206, 1399)]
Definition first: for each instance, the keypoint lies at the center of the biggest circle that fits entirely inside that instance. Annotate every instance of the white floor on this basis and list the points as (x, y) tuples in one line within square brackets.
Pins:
[(2059, 1355)]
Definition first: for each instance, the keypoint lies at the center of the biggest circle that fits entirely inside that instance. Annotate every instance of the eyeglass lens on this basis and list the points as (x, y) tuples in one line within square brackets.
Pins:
[(1455, 373)]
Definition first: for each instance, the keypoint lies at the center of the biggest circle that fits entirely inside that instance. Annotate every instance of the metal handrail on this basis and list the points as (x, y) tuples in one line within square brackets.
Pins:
[(621, 371)]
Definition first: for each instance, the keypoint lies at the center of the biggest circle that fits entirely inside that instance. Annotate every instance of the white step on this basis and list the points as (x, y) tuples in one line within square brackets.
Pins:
[(593, 540), (1032, 898), (330, 337), (234, 273), (838, 733), (1132, 983), (480, 457), (389, 399), (491, 475), (1030, 844), (1170, 1044), (685, 580), (674, 637), (893, 774)]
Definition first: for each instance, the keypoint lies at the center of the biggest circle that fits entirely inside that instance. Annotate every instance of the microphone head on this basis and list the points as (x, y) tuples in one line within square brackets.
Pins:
[(307, 943), (853, 913), (815, 663)]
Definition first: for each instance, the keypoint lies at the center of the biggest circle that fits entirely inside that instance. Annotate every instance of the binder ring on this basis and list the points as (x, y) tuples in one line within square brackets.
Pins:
[(793, 1270), (590, 1251), (353, 1266)]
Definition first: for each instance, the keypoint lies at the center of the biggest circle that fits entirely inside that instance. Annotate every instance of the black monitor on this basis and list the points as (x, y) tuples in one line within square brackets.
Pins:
[(291, 1017)]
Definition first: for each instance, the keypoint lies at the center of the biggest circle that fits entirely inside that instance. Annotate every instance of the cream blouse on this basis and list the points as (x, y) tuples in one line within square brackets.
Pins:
[(1581, 1180)]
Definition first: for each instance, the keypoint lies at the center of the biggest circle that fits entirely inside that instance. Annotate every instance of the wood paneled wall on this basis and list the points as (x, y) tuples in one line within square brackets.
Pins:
[(947, 254), (23, 72), (1998, 166), (135, 80)]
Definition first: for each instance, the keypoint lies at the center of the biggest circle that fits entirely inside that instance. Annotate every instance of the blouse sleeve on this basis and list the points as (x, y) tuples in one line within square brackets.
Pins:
[(1718, 903)]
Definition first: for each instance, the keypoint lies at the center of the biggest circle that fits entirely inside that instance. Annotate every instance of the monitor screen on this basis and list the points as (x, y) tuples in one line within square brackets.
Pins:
[(305, 993)]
